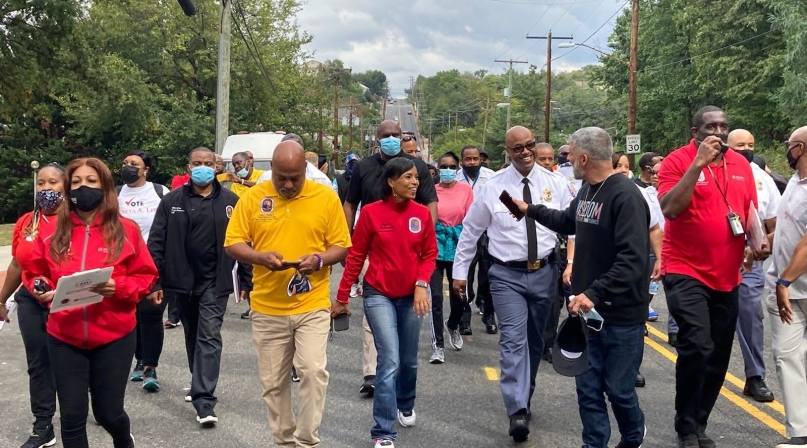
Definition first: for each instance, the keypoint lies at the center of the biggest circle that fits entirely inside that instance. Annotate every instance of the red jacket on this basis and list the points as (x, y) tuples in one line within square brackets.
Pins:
[(179, 180), (401, 243), (134, 274)]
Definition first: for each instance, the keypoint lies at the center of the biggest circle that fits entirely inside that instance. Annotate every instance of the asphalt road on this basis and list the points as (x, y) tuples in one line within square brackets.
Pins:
[(459, 403), (400, 109)]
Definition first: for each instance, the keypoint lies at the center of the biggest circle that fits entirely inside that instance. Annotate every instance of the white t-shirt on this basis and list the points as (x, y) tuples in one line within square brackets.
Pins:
[(140, 204), (311, 173)]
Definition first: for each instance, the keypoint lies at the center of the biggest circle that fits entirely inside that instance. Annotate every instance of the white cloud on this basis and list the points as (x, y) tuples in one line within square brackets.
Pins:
[(405, 39)]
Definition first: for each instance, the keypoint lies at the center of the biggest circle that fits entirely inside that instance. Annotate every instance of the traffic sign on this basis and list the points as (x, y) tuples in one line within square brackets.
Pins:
[(634, 144)]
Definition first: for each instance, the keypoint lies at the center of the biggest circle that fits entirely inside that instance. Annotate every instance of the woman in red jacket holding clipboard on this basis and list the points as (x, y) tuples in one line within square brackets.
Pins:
[(398, 236), (92, 346)]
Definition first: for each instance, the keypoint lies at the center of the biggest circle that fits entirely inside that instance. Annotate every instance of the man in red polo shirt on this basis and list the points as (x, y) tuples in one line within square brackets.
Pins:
[(706, 191)]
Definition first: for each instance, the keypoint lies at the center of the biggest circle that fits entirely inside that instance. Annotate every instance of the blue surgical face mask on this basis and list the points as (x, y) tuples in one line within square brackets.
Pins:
[(390, 146), (349, 168), (202, 175), (242, 173), (447, 175)]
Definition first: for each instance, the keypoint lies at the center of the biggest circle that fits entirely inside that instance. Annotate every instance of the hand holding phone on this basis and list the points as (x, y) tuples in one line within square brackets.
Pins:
[(290, 263), (41, 286), (340, 322), (507, 200)]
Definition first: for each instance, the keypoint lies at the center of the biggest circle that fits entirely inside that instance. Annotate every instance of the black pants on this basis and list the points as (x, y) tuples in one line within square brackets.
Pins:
[(556, 307), (456, 302), (202, 316), (707, 320), (173, 310), (33, 318), (482, 297), (150, 332), (102, 371)]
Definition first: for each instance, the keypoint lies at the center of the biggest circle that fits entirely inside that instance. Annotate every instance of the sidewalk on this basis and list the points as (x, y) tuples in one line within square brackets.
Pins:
[(5, 259)]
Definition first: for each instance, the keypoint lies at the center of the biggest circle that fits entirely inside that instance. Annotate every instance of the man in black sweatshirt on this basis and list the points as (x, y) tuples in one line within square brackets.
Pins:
[(610, 221)]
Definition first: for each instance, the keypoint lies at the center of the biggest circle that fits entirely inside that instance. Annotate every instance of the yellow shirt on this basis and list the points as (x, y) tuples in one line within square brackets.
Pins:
[(308, 224), (239, 189), (223, 177)]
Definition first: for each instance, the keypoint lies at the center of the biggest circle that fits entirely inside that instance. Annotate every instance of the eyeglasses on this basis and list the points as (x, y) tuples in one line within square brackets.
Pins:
[(448, 167), (408, 137), (519, 149), (653, 173)]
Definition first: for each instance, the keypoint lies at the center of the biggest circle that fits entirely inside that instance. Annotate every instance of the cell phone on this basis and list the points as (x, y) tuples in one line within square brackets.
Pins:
[(723, 146), (41, 286), (340, 322), (293, 264), (507, 200)]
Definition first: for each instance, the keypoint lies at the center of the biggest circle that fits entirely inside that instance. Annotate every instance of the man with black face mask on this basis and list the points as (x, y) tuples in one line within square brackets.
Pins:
[(705, 192), (341, 183), (750, 331)]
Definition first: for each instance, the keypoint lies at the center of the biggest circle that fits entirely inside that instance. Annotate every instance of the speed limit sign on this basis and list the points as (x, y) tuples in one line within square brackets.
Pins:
[(634, 144)]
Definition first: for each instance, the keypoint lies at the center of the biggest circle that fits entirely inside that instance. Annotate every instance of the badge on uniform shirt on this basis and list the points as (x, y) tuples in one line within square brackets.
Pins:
[(229, 211), (267, 205), (759, 185), (415, 225), (547, 195)]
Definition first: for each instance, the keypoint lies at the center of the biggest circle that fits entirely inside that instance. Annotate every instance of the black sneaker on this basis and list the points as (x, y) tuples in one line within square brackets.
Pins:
[(137, 373), (704, 441), (465, 329), (519, 426), (640, 381), (206, 416), (794, 442), (150, 381), (688, 441), (245, 314), (294, 377), (368, 387), (41, 437), (672, 339)]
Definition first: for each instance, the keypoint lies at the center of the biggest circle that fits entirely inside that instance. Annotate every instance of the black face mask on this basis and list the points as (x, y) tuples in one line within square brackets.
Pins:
[(86, 198), (792, 161), (563, 158), (472, 171), (747, 154), (130, 174)]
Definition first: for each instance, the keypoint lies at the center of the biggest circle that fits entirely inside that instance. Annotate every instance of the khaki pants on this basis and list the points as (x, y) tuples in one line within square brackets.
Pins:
[(369, 357), (789, 353), (278, 339)]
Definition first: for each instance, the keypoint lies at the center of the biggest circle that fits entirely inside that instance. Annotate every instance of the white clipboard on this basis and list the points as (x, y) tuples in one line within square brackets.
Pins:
[(753, 230), (73, 291)]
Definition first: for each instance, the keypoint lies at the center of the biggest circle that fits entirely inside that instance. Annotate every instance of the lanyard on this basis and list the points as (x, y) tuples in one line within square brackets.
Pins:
[(717, 184), (469, 180)]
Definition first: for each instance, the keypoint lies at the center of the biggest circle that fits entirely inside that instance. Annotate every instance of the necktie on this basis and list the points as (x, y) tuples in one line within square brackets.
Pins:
[(532, 238)]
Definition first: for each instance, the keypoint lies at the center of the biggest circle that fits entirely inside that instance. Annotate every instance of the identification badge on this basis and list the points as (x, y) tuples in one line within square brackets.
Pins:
[(735, 224)]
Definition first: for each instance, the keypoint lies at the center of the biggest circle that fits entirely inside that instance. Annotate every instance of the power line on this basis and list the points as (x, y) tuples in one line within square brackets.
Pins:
[(596, 31)]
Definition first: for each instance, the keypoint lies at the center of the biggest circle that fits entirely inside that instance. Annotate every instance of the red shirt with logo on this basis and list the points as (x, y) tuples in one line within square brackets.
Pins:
[(400, 241), (699, 242), (24, 238)]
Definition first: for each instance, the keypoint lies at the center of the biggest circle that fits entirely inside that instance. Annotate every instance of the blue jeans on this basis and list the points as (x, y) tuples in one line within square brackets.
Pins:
[(614, 356), (396, 330)]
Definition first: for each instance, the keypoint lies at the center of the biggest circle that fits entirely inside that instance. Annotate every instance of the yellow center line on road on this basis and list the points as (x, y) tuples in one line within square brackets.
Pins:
[(775, 405), (491, 373), (731, 396)]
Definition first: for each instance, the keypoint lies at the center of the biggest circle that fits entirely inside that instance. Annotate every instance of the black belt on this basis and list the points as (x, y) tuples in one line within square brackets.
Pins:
[(525, 264)]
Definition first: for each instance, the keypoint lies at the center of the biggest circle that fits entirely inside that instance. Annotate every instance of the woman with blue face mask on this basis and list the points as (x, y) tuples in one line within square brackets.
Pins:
[(455, 199)]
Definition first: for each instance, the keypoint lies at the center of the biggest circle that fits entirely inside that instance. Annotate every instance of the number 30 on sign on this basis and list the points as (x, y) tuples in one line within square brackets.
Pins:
[(634, 144)]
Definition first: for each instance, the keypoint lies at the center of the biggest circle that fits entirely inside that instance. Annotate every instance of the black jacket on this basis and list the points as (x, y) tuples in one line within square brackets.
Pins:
[(342, 185), (169, 246)]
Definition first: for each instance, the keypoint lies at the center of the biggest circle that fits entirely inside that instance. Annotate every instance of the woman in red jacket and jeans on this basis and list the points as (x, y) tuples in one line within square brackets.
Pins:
[(398, 236), (91, 347)]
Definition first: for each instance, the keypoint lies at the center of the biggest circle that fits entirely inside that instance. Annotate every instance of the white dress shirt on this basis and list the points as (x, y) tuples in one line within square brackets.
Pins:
[(507, 237), (311, 173), (481, 179), (768, 195), (567, 171), (655, 206)]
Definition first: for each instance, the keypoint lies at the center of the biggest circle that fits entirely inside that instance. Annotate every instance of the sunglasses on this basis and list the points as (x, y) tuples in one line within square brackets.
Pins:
[(408, 137), (448, 167), (653, 173), (520, 148)]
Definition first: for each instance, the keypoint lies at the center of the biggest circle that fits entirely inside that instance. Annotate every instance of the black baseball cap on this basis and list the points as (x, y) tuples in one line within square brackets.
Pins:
[(482, 152), (570, 353)]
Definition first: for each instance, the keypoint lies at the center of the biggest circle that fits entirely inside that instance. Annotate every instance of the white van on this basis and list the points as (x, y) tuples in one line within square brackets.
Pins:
[(260, 144)]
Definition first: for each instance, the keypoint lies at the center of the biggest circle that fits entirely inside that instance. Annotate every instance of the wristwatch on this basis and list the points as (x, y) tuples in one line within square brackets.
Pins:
[(421, 284), (783, 282)]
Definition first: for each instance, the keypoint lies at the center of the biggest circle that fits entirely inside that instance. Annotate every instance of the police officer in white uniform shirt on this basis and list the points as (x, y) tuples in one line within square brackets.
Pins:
[(750, 331), (523, 273), (566, 170), (311, 171)]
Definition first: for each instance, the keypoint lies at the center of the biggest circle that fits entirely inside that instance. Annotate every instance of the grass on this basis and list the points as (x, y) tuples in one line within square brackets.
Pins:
[(5, 234)]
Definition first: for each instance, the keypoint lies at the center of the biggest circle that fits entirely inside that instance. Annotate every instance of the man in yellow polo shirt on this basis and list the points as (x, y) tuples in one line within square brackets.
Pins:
[(296, 234), (246, 176)]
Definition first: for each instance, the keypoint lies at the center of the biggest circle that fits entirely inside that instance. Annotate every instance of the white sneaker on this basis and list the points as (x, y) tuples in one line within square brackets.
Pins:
[(454, 337), (356, 290), (407, 421), (188, 398), (383, 443), (438, 356)]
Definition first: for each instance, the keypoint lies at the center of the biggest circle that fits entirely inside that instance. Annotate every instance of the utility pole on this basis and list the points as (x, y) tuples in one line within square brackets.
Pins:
[(634, 44), (510, 87), (548, 104), (319, 136), (337, 72), (485, 129), (223, 77)]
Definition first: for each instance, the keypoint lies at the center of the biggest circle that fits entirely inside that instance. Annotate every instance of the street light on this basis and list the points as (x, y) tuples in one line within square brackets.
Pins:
[(34, 167), (500, 105)]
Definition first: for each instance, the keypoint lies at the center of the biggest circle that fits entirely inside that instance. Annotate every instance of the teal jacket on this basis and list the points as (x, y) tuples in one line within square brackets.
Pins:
[(447, 238)]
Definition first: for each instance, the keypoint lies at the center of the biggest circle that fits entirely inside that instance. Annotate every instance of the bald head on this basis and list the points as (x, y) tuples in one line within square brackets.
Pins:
[(288, 168), (799, 135), (740, 139), (294, 138), (517, 133), (388, 128)]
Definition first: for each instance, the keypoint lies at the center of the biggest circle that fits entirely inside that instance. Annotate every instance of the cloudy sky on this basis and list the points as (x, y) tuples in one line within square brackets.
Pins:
[(407, 38)]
